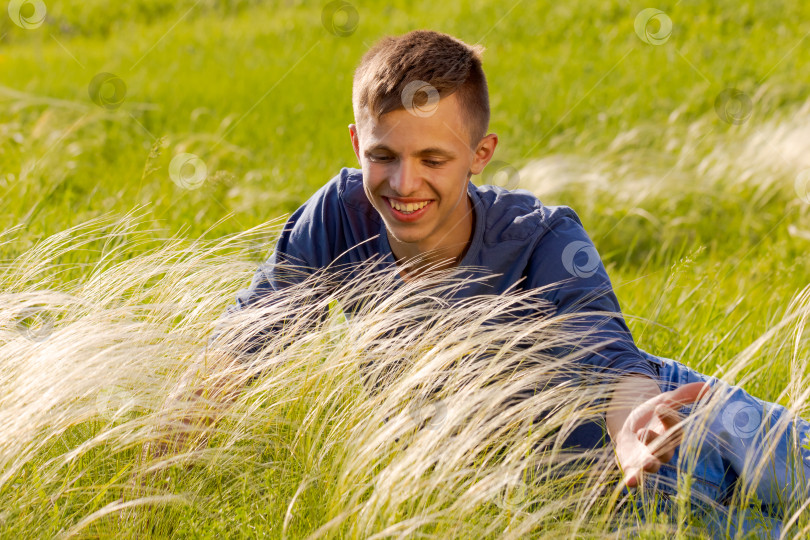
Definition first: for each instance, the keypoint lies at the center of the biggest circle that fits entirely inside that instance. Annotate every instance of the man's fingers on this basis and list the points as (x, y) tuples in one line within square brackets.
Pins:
[(633, 474), (665, 406), (663, 447), (652, 466), (632, 477), (684, 395), (673, 400), (666, 457), (635, 458), (670, 418), (667, 409), (647, 435)]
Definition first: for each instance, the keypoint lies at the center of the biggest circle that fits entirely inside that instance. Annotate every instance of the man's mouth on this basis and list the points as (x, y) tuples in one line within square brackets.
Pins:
[(410, 208)]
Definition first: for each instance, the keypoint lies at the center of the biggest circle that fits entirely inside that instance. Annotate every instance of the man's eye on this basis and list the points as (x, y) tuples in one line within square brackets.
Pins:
[(380, 158), (434, 163)]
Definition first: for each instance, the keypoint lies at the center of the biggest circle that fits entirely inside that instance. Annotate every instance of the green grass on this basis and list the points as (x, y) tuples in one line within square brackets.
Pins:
[(695, 219)]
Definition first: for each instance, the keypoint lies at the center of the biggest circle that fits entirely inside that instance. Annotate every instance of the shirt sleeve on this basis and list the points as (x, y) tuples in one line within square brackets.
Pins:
[(302, 249), (565, 262)]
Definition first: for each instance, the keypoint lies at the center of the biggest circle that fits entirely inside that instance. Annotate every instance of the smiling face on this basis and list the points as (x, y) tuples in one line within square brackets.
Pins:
[(415, 173)]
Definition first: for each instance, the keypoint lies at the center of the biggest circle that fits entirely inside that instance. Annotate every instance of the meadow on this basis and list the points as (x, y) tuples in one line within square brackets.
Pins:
[(685, 151)]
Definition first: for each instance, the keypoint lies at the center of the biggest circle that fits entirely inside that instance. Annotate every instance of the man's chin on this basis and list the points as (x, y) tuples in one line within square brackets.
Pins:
[(403, 235), (407, 238)]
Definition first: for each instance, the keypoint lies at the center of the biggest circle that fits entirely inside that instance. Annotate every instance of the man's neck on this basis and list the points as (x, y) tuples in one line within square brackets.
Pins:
[(446, 252)]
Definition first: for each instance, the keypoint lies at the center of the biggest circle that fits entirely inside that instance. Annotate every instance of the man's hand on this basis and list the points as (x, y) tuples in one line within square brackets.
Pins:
[(649, 432), (203, 393)]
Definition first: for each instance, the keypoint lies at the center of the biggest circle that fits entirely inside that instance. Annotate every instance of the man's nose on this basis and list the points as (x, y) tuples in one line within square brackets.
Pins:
[(405, 180)]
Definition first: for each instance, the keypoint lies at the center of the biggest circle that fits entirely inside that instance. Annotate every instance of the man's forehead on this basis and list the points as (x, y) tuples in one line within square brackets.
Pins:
[(399, 128)]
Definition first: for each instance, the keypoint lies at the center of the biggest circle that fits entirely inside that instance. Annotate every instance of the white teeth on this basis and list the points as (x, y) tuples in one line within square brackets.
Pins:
[(408, 207)]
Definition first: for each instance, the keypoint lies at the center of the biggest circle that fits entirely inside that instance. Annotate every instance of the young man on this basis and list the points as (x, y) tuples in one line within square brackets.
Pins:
[(422, 110)]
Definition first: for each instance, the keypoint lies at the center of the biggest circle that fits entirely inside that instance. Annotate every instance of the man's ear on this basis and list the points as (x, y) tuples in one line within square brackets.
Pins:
[(355, 142), (483, 153)]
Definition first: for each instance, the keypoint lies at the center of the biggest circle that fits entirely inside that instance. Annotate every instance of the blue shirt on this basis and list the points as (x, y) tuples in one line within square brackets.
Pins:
[(517, 242)]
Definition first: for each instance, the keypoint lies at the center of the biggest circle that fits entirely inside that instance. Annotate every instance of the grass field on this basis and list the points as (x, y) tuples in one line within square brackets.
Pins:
[(688, 162)]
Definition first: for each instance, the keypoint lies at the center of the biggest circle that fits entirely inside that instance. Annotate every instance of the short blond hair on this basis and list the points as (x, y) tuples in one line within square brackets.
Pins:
[(446, 63)]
